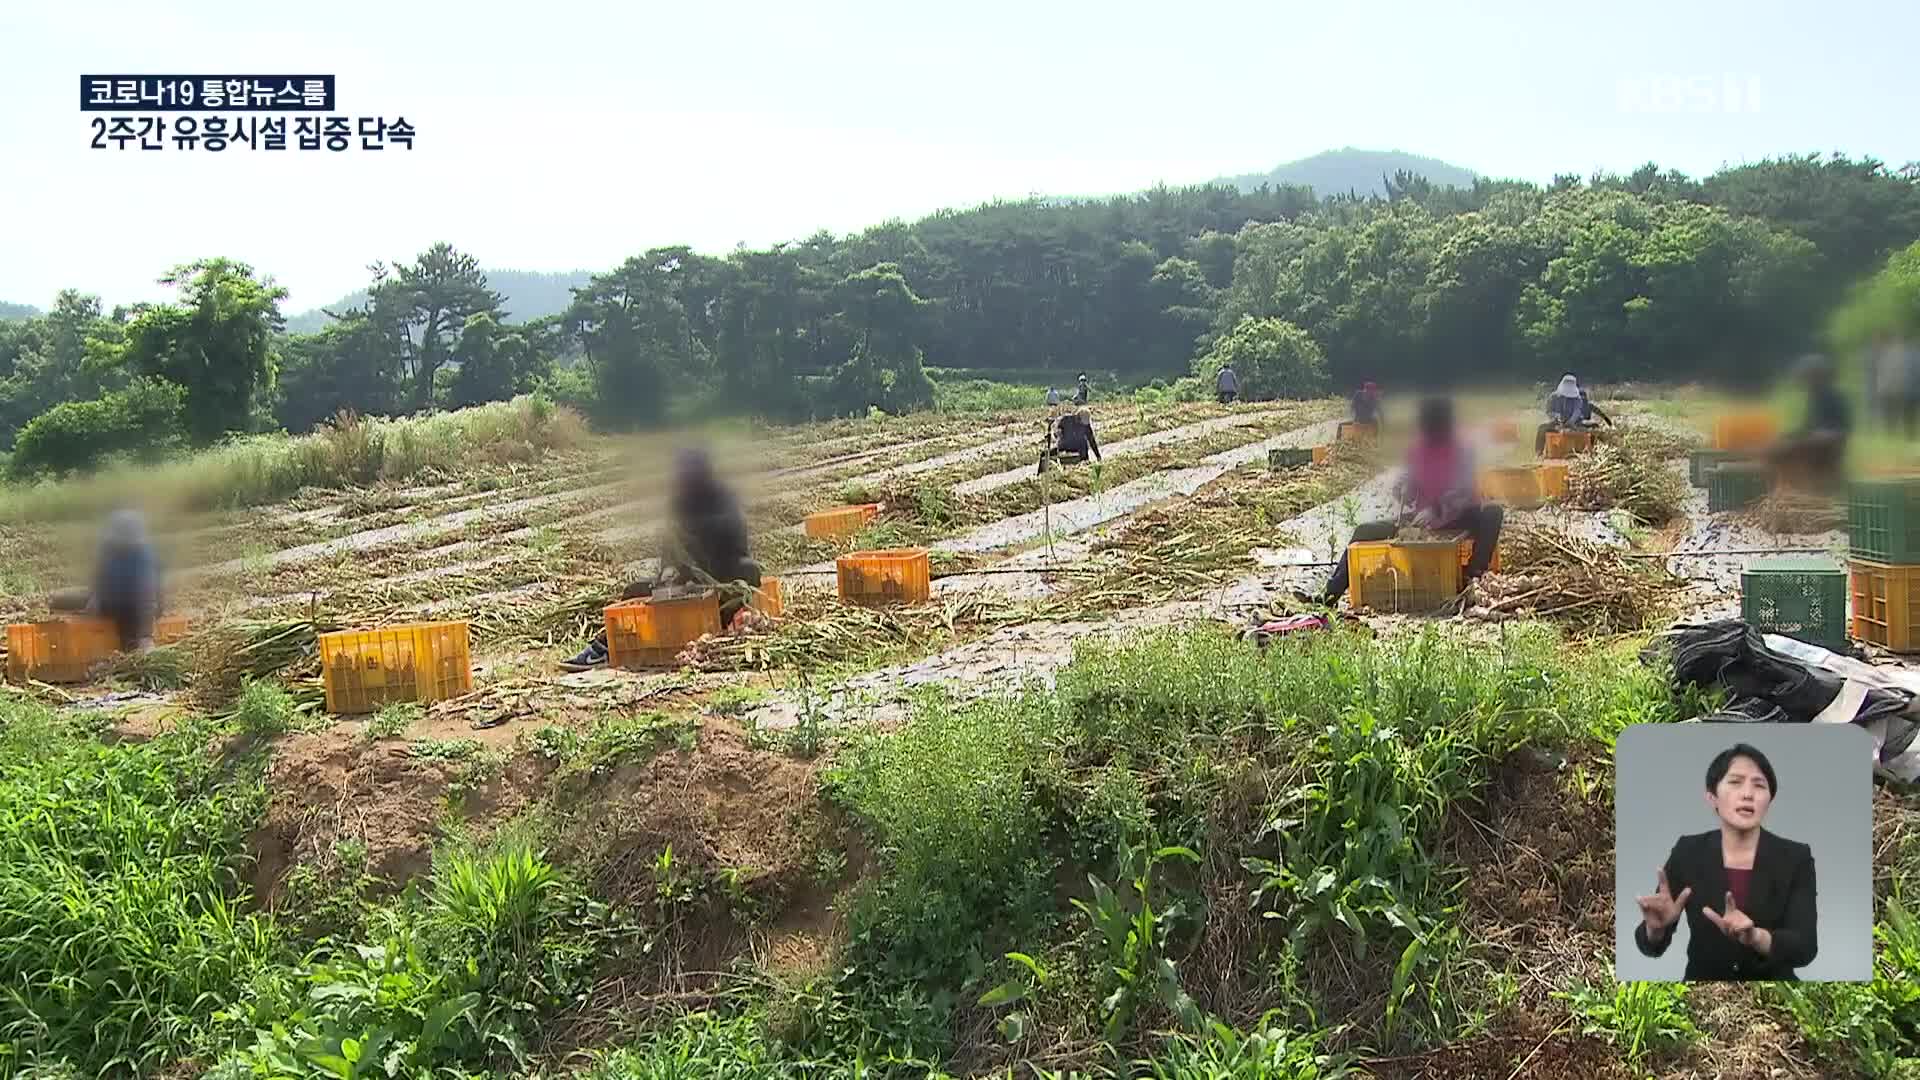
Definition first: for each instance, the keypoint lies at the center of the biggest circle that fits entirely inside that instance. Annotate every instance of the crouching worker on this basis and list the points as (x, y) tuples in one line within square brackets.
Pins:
[(1226, 385), (1366, 404), (126, 585), (1074, 441), (1815, 452), (1568, 409), (704, 547), (1438, 493)]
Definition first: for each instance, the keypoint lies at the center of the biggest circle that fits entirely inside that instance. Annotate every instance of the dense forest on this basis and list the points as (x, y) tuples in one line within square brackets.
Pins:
[(1649, 275)]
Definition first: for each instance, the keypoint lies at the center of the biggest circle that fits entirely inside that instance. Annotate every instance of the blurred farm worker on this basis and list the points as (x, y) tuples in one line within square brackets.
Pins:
[(1074, 441), (1081, 390), (1896, 383), (1053, 397), (1816, 450), (1568, 409), (126, 584), (705, 546), (1366, 404), (1437, 493), (1226, 385)]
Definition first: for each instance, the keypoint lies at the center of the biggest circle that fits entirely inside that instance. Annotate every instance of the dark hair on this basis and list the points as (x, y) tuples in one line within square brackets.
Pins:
[(1717, 769), (1436, 416)]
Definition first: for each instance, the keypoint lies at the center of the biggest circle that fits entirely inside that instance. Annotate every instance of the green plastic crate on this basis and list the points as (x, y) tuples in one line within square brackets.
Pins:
[(1735, 486), (1702, 460), (1289, 457), (1883, 520), (1803, 597)]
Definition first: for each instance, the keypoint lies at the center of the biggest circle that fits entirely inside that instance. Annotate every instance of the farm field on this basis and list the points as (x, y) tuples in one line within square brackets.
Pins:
[(1058, 820)]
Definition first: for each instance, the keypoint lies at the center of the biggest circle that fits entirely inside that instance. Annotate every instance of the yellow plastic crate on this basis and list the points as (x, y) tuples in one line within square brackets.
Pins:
[(59, 650), (1321, 454), (1566, 444), (1515, 487), (767, 599), (1748, 430), (1393, 576), (1355, 431), (1553, 479), (1886, 604), (880, 578), (840, 521), (651, 633), (423, 662)]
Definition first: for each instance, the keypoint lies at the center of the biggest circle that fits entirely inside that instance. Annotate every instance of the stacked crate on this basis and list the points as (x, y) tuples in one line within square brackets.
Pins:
[(1883, 543), (1801, 597)]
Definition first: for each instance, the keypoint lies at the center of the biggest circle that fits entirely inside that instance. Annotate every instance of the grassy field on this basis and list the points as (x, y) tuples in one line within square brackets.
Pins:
[(1057, 821)]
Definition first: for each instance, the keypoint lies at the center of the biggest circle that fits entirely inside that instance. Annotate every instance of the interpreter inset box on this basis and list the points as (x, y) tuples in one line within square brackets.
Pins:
[(1743, 852)]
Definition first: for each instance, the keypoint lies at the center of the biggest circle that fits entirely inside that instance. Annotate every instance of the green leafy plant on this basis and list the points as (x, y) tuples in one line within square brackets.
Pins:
[(393, 720), (1874, 1025), (1033, 976), (265, 709), (1639, 1017), (1132, 938)]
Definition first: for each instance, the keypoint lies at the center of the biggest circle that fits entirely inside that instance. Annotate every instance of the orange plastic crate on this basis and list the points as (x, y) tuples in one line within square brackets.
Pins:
[(1515, 487), (1321, 454), (1751, 430), (1394, 576), (1465, 544), (1504, 431), (423, 662), (841, 521), (1886, 604), (168, 629), (767, 599), (880, 578), (1553, 479), (1355, 431), (1565, 444), (59, 650), (651, 633)]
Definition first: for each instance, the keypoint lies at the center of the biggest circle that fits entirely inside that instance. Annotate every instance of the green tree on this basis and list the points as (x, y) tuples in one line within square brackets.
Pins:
[(879, 318), (420, 308), (220, 345), (633, 331), (57, 357), (496, 363), (142, 421), (1274, 359), (1887, 303)]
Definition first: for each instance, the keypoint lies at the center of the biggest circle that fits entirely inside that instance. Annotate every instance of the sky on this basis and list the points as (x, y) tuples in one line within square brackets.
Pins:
[(571, 134)]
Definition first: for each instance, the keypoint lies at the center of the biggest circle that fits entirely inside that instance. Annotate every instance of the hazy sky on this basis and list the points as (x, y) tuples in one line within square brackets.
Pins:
[(560, 135)]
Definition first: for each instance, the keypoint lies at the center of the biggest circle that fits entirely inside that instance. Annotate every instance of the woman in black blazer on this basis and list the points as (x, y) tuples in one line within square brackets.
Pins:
[(1748, 894)]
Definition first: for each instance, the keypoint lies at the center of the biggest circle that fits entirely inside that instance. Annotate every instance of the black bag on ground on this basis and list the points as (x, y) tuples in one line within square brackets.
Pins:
[(1768, 687)]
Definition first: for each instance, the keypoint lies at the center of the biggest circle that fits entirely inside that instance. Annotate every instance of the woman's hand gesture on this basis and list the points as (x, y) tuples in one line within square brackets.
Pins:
[(1662, 909), (1736, 924)]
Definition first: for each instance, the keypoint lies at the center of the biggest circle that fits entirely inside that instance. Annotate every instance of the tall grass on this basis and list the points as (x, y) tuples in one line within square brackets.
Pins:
[(264, 468), (985, 395), (123, 925)]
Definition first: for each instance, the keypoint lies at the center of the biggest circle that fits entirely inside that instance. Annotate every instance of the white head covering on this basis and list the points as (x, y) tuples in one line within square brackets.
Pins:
[(1569, 387), (125, 529)]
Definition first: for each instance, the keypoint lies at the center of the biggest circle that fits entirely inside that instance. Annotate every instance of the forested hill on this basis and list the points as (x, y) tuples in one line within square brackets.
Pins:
[(529, 295), (1336, 172), (17, 311)]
